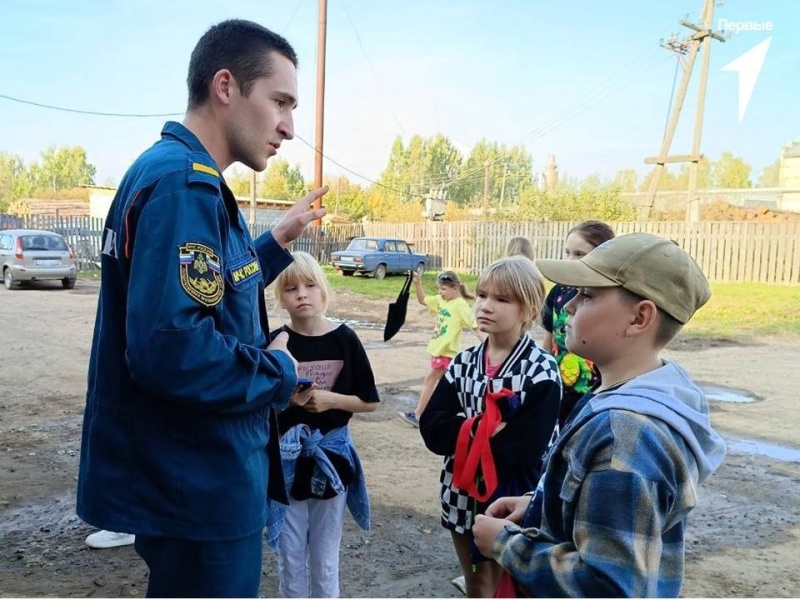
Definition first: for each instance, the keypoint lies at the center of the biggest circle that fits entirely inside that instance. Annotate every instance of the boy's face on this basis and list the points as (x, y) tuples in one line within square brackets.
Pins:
[(598, 319)]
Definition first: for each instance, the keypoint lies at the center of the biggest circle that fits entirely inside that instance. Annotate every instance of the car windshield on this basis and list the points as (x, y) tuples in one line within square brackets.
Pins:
[(43, 242), (363, 244)]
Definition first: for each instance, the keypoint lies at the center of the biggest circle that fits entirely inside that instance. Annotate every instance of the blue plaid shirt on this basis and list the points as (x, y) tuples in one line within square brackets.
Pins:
[(609, 515)]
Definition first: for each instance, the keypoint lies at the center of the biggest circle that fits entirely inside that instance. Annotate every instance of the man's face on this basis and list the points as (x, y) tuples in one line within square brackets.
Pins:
[(260, 122)]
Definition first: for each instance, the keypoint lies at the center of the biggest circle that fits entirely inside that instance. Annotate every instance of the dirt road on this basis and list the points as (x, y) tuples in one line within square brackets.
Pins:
[(744, 539)]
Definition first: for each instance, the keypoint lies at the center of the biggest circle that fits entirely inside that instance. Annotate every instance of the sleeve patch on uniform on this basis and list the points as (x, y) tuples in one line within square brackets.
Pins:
[(200, 273), (245, 272)]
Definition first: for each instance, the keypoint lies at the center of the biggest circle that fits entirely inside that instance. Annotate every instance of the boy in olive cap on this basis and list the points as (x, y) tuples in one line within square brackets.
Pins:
[(609, 515)]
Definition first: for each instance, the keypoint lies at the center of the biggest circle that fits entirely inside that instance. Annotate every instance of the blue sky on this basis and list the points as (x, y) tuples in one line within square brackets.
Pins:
[(584, 80)]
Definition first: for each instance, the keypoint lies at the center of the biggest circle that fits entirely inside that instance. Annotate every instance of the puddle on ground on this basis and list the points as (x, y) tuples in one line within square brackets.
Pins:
[(721, 393), (375, 345), (783, 453), (353, 324)]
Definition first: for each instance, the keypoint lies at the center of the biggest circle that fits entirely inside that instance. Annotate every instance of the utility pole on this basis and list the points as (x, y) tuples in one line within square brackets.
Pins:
[(321, 41), (503, 187), (691, 45), (252, 201), (486, 187)]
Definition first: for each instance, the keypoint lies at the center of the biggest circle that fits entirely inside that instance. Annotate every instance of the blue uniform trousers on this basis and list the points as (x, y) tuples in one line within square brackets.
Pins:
[(188, 569)]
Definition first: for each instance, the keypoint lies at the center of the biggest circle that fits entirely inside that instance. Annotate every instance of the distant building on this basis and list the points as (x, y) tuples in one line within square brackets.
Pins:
[(268, 211), (50, 207), (789, 176)]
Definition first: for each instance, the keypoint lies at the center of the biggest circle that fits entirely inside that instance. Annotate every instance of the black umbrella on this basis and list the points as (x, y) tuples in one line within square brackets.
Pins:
[(397, 311)]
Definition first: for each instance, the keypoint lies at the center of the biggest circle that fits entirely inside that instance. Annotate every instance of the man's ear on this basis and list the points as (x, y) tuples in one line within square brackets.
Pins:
[(644, 317), (223, 86)]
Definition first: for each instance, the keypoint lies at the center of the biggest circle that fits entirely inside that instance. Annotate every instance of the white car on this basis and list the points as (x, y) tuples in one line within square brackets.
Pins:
[(36, 255)]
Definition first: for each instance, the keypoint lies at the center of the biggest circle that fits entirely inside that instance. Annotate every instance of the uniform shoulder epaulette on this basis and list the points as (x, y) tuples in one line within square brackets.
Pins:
[(201, 172)]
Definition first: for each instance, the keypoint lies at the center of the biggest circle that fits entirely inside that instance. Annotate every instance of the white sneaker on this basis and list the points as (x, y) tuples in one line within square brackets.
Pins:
[(460, 584), (109, 539)]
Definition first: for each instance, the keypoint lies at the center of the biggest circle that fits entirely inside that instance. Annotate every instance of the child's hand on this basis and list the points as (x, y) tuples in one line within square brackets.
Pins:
[(511, 508), (485, 531), (320, 401), (414, 276), (302, 397)]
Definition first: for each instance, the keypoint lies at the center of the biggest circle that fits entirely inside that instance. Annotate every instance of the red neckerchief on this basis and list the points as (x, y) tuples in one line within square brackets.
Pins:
[(475, 452)]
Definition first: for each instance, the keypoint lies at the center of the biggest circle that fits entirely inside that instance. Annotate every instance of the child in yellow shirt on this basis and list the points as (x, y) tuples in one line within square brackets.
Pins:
[(453, 313)]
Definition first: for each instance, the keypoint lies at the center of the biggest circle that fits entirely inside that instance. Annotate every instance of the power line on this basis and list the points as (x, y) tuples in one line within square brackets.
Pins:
[(475, 173), (587, 100), (632, 71), (88, 112), (372, 67), (672, 93), (112, 114), (289, 22), (365, 178)]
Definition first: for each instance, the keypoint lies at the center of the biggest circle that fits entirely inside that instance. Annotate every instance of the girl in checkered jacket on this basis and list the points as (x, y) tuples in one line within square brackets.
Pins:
[(494, 412)]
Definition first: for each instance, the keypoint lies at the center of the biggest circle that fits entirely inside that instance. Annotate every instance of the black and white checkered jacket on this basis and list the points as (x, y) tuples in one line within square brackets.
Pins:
[(518, 448)]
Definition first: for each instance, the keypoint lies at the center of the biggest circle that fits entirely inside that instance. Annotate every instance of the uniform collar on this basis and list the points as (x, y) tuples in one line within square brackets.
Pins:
[(178, 131)]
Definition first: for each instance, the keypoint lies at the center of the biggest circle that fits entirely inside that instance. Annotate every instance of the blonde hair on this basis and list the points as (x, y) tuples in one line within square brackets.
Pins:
[(517, 279), (451, 279), (304, 269), (520, 246)]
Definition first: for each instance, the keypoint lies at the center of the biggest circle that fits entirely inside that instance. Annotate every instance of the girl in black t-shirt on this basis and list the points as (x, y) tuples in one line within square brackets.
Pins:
[(332, 356)]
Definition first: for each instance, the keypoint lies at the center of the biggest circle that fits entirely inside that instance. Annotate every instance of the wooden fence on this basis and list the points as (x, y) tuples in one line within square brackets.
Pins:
[(726, 250), (729, 251)]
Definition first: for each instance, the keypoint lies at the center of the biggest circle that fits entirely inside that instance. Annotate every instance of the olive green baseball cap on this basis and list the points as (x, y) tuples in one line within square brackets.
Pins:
[(647, 265)]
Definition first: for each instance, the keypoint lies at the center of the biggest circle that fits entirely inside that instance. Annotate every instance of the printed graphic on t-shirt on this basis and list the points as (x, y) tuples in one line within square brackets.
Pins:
[(576, 373), (321, 372), (440, 328)]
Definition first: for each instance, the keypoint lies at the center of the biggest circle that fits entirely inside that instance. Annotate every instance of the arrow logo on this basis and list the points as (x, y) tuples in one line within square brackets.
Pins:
[(748, 66)]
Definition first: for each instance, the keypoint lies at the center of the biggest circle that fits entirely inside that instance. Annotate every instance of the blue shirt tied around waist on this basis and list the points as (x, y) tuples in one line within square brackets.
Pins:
[(302, 441)]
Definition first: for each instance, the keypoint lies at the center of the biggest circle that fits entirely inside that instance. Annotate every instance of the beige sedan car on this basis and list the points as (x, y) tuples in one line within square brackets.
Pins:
[(36, 255)]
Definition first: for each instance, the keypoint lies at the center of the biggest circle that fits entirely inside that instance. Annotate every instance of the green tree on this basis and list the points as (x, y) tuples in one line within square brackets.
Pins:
[(14, 179), (239, 181), (281, 181), (704, 175), (573, 200), (424, 164), (506, 172), (346, 198), (62, 168), (411, 172), (626, 180), (770, 175), (730, 171)]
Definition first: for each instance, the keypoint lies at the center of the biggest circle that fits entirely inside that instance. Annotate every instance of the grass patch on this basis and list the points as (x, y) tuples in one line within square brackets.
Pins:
[(92, 275), (387, 288), (736, 310), (748, 310)]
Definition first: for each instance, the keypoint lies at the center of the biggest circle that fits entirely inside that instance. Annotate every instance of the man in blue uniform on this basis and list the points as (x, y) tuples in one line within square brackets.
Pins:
[(179, 425)]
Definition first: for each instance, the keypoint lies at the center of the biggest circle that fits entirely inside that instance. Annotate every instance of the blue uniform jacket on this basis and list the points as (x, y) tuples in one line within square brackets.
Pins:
[(301, 440), (181, 389)]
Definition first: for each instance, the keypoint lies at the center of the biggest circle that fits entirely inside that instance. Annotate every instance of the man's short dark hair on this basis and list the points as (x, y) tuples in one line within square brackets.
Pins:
[(239, 46)]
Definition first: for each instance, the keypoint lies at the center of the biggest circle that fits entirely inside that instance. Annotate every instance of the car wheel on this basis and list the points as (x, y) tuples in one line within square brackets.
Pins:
[(68, 283), (8, 279), (379, 272), (420, 269)]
